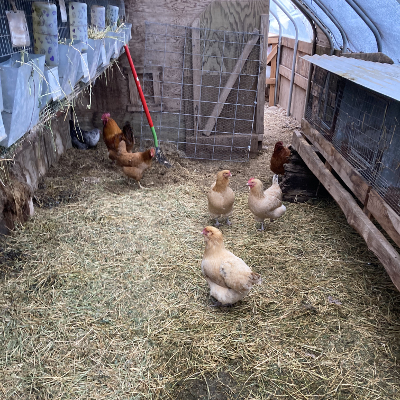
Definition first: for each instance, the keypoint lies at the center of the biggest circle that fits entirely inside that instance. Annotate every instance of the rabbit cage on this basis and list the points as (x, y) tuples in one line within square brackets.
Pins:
[(362, 125)]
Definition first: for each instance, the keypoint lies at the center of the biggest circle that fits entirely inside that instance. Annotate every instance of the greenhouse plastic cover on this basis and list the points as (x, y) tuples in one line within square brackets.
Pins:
[(384, 14), (288, 30)]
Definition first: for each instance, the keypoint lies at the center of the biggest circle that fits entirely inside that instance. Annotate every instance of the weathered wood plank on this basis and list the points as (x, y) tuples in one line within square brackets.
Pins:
[(271, 101), (304, 47), (385, 215), (229, 84), (273, 39), (272, 54), (261, 76), (298, 79), (196, 60), (374, 239), (355, 182)]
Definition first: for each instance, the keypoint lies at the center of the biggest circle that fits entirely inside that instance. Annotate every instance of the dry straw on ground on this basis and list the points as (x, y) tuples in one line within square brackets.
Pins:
[(102, 296)]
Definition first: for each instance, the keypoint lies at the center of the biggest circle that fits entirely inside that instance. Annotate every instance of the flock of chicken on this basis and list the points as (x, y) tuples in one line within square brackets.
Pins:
[(228, 276)]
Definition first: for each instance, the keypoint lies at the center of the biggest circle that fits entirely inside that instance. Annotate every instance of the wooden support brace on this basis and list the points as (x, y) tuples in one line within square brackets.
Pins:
[(229, 84), (261, 76), (376, 242), (197, 67)]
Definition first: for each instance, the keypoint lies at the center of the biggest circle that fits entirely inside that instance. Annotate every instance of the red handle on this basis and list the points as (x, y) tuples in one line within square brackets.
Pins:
[(139, 88)]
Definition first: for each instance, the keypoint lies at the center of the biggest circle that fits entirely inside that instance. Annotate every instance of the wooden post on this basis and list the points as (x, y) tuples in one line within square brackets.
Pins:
[(229, 85), (262, 77), (272, 75), (196, 61), (376, 242)]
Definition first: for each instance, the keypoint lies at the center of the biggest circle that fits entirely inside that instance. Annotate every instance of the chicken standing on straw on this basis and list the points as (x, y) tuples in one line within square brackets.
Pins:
[(229, 277), (280, 156), (221, 197), (265, 204)]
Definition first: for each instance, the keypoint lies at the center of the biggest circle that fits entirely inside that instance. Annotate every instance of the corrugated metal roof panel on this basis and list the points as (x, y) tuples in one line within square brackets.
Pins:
[(381, 78)]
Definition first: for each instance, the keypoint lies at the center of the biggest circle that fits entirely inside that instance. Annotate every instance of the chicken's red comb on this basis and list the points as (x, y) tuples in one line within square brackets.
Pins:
[(250, 180), (105, 116)]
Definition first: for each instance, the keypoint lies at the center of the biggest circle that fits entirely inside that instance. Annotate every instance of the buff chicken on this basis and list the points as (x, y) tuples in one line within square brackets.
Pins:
[(228, 276), (221, 197), (265, 203)]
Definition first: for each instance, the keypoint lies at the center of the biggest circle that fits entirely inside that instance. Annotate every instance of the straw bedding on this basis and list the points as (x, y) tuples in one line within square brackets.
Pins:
[(102, 296)]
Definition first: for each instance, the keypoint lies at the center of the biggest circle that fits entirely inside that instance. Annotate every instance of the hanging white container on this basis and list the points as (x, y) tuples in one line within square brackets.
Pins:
[(70, 65), (128, 32), (98, 17), (20, 85), (78, 25), (45, 32), (51, 89), (93, 57), (112, 16)]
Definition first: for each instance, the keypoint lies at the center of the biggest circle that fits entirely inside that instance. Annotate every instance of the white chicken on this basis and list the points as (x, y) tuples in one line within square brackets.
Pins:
[(229, 277), (265, 203), (221, 197)]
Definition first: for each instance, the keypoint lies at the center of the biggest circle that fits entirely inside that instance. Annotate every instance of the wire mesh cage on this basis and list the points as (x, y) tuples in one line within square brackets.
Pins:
[(201, 88), (363, 126)]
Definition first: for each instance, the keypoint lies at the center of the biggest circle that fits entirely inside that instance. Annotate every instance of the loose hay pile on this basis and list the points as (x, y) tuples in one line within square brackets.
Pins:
[(102, 296)]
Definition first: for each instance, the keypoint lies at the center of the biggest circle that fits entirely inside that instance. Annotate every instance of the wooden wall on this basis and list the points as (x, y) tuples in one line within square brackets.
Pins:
[(112, 94), (301, 76)]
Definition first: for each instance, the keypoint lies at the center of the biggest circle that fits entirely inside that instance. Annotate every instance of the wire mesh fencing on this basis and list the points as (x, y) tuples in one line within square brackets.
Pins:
[(364, 128), (201, 88)]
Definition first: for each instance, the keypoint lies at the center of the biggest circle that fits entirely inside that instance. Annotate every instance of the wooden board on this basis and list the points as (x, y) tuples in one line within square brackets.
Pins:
[(374, 239), (298, 79), (385, 215), (196, 60), (354, 181), (261, 75), (229, 84), (272, 99)]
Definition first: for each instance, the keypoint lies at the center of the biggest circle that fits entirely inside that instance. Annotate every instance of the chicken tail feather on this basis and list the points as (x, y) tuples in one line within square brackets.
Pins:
[(275, 179)]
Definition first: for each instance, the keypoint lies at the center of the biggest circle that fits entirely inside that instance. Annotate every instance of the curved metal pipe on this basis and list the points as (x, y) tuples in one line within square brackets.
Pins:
[(336, 22), (361, 13), (308, 13), (278, 56), (294, 52)]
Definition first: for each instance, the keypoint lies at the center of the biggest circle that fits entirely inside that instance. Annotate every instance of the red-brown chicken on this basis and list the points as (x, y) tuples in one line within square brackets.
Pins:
[(134, 164), (279, 157), (112, 135)]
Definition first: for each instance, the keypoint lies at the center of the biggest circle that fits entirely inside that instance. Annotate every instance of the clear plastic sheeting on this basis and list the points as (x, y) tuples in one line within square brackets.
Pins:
[(384, 14), (359, 36), (304, 27)]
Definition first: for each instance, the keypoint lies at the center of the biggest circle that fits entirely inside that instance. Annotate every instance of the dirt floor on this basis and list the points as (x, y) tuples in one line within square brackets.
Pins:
[(102, 297)]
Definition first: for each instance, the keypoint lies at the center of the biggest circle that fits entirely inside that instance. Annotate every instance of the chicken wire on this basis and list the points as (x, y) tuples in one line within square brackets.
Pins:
[(185, 72), (363, 126)]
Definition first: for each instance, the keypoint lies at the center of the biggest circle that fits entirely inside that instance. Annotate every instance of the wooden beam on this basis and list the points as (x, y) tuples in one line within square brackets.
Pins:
[(299, 80), (229, 84), (384, 215), (272, 54), (261, 76), (197, 67), (376, 242), (355, 182), (273, 39), (272, 86), (270, 81)]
